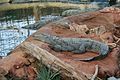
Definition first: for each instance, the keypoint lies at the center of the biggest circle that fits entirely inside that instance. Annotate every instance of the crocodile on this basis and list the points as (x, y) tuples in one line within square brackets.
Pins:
[(75, 45), (63, 22)]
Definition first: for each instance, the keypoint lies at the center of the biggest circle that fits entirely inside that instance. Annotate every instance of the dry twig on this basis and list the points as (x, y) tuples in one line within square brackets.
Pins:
[(96, 73)]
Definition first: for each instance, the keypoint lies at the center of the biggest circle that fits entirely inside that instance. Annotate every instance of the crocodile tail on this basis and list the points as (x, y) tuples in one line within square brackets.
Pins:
[(99, 57)]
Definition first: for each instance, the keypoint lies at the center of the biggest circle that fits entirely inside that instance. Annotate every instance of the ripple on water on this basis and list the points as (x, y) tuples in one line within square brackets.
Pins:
[(9, 39)]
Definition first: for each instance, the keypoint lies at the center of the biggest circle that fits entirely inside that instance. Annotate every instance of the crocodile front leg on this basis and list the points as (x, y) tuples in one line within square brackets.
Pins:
[(61, 48)]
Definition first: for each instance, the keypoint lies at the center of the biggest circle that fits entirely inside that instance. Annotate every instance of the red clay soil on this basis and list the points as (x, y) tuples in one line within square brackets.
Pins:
[(18, 64)]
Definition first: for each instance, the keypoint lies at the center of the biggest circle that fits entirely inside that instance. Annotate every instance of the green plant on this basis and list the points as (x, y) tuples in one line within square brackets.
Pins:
[(48, 74)]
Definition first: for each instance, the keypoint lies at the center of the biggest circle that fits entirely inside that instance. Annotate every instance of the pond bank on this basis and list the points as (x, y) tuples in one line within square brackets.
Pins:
[(44, 5), (4, 1)]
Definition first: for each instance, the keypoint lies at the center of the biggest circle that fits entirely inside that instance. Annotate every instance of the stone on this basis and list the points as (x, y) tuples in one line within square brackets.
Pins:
[(82, 29), (26, 72), (97, 30)]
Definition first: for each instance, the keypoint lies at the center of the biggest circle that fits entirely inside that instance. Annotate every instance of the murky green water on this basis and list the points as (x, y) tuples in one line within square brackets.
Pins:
[(12, 21)]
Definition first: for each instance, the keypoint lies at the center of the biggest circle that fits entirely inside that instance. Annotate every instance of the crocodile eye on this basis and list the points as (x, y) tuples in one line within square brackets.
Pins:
[(87, 32), (108, 38)]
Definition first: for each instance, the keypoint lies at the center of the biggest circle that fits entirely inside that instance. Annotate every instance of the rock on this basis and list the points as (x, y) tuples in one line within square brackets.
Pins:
[(106, 17), (97, 30), (110, 10), (82, 29), (17, 64), (25, 72), (107, 37)]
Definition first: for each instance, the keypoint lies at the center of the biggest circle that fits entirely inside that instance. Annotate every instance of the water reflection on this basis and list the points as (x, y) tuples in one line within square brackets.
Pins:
[(9, 39), (12, 21)]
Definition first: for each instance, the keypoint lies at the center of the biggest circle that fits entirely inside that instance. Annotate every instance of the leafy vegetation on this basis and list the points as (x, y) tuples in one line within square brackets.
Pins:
[(48, 74)]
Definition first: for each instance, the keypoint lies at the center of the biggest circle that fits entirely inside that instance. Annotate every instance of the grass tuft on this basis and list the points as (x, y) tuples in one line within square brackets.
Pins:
[(48, 74)]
